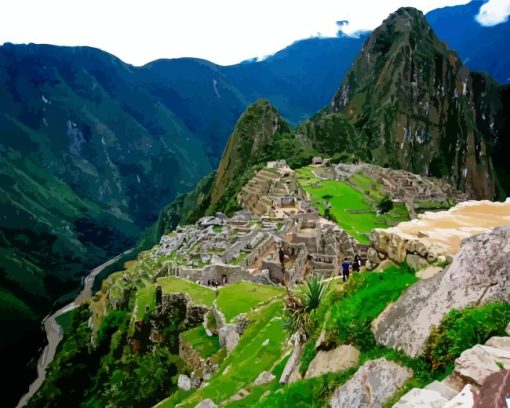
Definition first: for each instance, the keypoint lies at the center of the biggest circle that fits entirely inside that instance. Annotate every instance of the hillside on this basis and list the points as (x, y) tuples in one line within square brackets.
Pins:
[(206, 316), (408, 102)]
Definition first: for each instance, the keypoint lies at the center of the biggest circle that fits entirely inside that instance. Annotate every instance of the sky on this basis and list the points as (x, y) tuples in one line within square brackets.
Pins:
[(222, 31)]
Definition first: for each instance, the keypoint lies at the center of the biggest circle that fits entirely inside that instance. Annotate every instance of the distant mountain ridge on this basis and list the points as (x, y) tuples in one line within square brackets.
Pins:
[(479, 47)]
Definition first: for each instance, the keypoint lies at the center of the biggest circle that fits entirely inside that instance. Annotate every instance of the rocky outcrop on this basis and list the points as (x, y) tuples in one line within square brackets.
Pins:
[(480, 273), (434, 395), (372, 385), (421, 398), (341, 358), (435, 237), (228, 336), (184, 382), (292, 364), (476, 364), (464, 399)]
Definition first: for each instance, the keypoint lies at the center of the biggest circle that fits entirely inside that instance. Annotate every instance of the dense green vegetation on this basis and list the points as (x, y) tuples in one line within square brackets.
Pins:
[(242, 296), (462, 329), (109, 372), (367, 295)]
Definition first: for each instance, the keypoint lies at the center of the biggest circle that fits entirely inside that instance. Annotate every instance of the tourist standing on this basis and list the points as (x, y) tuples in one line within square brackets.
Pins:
[(356, 264), (345, 269)]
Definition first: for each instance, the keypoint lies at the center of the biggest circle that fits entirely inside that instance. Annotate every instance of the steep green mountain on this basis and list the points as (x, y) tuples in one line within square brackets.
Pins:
[(88, 158), (409, 102), (260, 135)]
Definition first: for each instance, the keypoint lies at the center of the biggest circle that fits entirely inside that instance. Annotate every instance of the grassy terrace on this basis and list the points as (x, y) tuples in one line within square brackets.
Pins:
[(353, 210), (205, 346), (200, 295), (242, 296), (260, 349)]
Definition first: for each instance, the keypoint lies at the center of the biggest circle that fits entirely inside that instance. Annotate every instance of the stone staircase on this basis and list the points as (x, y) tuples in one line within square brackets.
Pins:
[(471, 370)]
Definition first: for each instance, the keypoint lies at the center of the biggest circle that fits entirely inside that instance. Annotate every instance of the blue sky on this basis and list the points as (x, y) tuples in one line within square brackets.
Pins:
[(223, 31)]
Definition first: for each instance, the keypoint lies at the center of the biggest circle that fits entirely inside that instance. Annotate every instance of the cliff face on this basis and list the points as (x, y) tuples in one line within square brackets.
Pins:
[(414, 105)]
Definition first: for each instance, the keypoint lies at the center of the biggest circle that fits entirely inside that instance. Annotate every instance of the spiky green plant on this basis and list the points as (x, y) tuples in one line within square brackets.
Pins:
[(300, 306)]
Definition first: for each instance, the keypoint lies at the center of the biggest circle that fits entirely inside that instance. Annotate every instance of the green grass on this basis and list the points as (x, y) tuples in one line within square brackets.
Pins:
[(462, 329), (205, 345), (240, 297), (145, 299), (200, 295), (345, 199), (259, 349), (366, 296)]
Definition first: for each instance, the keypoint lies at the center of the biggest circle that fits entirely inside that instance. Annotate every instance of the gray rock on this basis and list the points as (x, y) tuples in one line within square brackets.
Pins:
[(292, 364), (228, 336), (474, 365), (373, 257), (417, 398), (429, 272), (499, 342), (507, 330), (464, 399), (416, 262), (372, 385), (341, 358), (184, 382), (468, 281), (207, 403), (264, 377), (444, 389)]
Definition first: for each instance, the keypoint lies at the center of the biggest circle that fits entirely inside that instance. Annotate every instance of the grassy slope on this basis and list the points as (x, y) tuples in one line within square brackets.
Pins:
[(205, 345), (251, 356), (240, 297), (200, 295), (345, 199)]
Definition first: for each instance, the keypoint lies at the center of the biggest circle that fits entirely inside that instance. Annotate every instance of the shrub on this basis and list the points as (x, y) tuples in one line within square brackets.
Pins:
[(462, 329), (300, 306), (385, 205)]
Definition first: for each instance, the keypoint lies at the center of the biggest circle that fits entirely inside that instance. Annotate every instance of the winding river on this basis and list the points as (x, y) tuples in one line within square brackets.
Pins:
[(54, 331)]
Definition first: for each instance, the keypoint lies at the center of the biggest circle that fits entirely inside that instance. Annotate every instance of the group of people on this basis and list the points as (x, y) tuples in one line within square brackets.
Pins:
[(346, 266)]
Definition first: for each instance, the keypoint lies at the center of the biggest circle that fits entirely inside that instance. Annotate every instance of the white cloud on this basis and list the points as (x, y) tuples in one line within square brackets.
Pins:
[(494, 12), (222, 31)]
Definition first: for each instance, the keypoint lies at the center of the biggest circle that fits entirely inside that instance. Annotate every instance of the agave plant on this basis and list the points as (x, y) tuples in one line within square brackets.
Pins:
[(299, 306)]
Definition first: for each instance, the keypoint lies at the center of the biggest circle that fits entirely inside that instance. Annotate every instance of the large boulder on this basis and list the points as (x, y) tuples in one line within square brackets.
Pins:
[(474, 365), (480, 273), (464, 399), (341, 358), (421, 398), (228, 336), (184, 382), (372, 385)]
